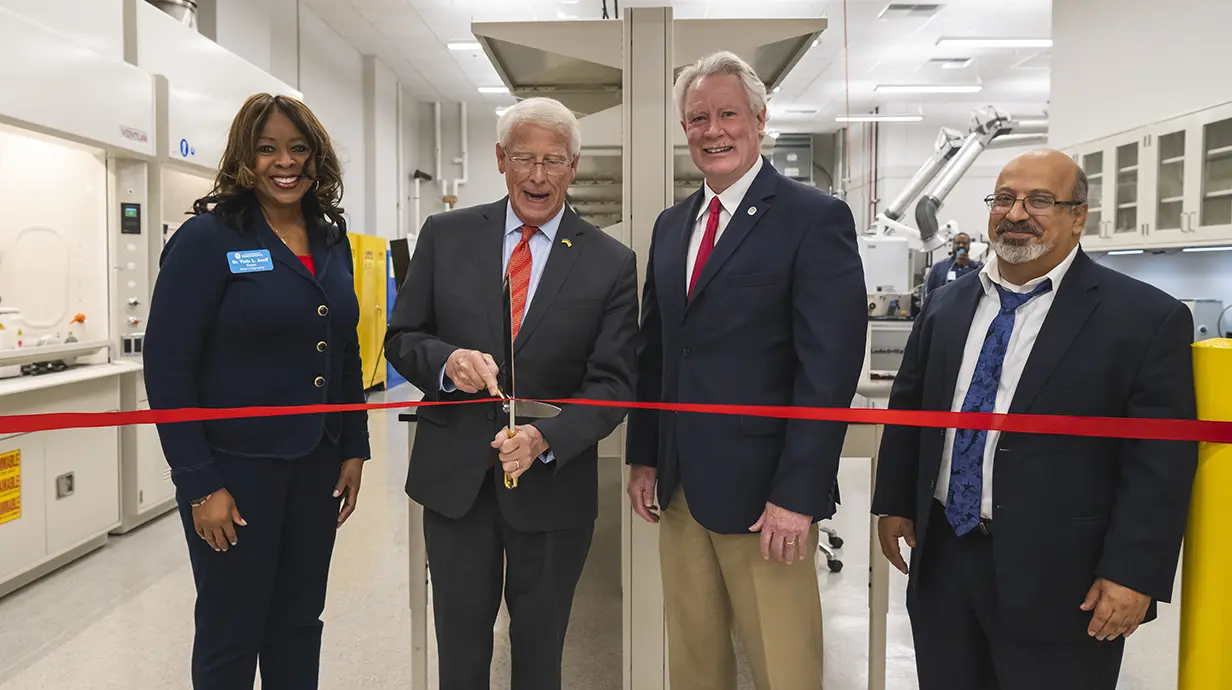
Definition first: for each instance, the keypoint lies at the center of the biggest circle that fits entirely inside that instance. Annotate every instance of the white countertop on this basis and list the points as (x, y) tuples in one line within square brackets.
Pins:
[(79, 374)]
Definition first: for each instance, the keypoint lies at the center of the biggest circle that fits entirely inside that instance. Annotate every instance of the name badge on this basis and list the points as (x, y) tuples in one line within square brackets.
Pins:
[(254, 261), (951, 277)]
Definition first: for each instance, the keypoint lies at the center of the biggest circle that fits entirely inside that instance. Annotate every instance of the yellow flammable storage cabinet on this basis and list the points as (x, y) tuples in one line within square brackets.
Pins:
[(369, 256)]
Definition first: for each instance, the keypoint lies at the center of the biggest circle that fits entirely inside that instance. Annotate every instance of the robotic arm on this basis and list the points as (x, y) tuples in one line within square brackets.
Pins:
[(886, 246), (953, 156)]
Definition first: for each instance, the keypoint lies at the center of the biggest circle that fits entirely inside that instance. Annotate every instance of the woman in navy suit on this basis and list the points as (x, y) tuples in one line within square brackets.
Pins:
[(255, 306)]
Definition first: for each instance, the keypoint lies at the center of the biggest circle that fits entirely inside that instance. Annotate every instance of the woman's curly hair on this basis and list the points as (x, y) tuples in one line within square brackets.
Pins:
[(233, 195)]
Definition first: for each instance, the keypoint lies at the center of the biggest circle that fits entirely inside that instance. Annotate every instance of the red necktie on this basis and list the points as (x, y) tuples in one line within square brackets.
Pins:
[(519, 277), (703, 251)]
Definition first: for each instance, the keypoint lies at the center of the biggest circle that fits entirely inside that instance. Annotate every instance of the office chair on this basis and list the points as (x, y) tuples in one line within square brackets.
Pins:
[(836, 542)]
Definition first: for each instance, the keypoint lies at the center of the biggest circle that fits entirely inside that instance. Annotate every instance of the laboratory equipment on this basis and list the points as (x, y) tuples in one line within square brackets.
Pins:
[(886, 246)]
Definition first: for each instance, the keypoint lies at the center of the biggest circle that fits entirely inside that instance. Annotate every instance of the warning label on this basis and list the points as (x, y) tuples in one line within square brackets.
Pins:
[(10, 486)]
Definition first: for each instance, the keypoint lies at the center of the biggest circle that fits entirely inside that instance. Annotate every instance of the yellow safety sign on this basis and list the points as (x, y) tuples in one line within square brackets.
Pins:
[(10, 486)]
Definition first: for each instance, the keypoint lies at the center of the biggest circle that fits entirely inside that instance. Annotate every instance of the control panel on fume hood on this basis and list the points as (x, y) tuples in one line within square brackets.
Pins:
[(131, 260)]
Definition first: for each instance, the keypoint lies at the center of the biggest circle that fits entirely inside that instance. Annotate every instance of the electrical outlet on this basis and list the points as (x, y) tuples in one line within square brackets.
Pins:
[(64, 485)]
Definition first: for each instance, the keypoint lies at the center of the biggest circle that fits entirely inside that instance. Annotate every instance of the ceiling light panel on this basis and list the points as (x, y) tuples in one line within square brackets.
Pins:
[(879, 118), (909, 10), (928, 88), (493, 89), (465, 46), (945, 42)]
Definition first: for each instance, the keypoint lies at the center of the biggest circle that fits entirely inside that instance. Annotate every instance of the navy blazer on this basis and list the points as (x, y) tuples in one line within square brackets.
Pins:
[(1067, 509), (777, 317), (220, 339)]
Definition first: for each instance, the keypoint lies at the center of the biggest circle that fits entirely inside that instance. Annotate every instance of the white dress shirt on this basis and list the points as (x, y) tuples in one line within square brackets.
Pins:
[(729, 201), (1027, 324)]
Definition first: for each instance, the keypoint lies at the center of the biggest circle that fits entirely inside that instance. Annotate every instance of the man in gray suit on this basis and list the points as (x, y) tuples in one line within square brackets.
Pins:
[(574, 296)]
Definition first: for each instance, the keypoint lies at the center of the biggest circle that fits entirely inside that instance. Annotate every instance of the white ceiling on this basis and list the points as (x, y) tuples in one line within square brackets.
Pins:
[(411, 36)]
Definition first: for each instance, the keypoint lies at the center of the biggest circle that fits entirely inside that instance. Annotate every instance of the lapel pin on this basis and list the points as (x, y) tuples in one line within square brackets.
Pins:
[(752, 210), (566, 242)]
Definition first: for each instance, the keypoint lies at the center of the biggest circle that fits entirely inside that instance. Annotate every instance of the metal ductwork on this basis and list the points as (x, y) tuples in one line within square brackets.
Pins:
[(948, 142), (986, 125), (184, 11)]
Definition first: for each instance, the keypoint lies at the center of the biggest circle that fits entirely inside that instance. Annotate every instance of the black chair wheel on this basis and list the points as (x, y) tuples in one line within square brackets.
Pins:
[(836, 541), (835, 565)]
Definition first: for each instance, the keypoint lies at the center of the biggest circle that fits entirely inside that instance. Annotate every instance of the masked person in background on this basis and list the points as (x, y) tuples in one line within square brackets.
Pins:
[(952, 267)]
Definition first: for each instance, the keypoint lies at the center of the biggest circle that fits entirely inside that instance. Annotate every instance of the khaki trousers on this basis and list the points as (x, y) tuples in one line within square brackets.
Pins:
[(712, 581)]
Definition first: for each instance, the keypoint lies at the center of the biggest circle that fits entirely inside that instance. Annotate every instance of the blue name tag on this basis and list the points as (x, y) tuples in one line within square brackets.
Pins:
[(254, 261)]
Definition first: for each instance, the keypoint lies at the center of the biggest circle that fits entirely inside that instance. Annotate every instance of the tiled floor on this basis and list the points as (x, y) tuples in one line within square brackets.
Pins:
[(121, 617)]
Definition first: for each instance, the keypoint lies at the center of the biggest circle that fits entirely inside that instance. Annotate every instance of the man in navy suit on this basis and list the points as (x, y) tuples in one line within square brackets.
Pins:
[(754, 294), (1034, 556)]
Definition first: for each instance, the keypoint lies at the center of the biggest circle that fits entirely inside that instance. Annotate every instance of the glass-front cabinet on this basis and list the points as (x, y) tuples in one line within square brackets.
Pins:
[(1215, 210), (1168, 185), (1093, 165)]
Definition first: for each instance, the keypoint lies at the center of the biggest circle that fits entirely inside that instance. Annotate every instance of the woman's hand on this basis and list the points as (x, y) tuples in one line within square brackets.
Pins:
[(348, 483), (215, 520)]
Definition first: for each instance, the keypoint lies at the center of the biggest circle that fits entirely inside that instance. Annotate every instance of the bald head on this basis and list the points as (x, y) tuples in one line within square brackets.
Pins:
[(1038, 210), (1065, 169)]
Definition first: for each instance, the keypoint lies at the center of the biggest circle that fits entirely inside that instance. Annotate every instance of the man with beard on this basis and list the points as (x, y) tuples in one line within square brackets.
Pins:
[(1033, 577)]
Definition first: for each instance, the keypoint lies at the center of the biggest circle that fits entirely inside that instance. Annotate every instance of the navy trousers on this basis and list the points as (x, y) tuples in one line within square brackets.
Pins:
[(961, 641), (262, 600)]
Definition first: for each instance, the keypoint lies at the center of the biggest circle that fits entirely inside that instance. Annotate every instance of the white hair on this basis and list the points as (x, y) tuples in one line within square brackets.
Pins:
[(719, 63), (544, 112)]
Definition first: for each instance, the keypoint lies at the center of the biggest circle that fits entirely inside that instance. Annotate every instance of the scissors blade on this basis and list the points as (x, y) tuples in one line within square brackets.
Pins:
[(533, 409), (510, 390)]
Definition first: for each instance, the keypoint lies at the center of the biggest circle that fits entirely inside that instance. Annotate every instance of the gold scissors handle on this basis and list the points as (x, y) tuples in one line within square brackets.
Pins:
[(510, 482)]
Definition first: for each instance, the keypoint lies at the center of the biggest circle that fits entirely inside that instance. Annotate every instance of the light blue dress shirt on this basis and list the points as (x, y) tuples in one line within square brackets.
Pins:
[(540, 246)]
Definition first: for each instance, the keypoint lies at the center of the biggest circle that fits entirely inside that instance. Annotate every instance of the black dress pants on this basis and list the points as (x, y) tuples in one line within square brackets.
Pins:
[(962, 641), (263, 599), (467, 559)]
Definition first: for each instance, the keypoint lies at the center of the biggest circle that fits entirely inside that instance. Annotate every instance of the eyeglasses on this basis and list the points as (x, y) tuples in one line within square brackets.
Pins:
[(551, 165), (1036, 205)]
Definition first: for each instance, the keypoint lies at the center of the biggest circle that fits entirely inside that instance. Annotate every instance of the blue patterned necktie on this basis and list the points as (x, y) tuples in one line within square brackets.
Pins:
[(962, 507)]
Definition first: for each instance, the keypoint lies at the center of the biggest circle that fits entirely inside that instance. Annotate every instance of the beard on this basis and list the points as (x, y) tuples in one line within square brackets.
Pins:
[(1019, 251)]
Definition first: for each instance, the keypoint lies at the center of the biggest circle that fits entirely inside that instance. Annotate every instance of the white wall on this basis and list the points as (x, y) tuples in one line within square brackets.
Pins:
[(243, 27), (284, 40), (331, 79), (485, 184), (1122, 64), (381, 127), (1204, 275)]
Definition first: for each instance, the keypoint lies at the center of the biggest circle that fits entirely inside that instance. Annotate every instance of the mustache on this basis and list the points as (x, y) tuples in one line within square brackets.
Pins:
[(1023, 226)]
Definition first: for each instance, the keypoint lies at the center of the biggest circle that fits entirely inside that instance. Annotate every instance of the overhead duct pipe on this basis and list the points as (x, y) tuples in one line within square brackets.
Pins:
[(986, 125), (464, 159), (945, 148), (184, 11)]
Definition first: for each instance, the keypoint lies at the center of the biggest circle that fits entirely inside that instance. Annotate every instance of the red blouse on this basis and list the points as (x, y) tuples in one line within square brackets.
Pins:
[(309, 264)]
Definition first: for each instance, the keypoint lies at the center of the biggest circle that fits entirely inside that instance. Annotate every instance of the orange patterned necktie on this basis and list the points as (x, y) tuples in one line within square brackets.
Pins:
[(519, 277)]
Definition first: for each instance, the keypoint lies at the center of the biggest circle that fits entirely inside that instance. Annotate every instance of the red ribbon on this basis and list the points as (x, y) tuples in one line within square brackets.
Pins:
[(1100, 427)]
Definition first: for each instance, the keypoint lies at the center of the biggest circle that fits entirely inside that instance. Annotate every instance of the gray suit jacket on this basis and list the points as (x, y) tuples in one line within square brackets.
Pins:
[(576, 341)]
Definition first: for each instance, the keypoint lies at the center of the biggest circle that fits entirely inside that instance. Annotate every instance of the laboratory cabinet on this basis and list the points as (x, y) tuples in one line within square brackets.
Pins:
[(146, 489), (59, 489), (1164, 186)]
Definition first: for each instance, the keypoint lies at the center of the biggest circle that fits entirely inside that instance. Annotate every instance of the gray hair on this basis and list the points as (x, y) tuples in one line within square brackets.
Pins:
[(1079, 192), (721, 63), (544, 112)]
